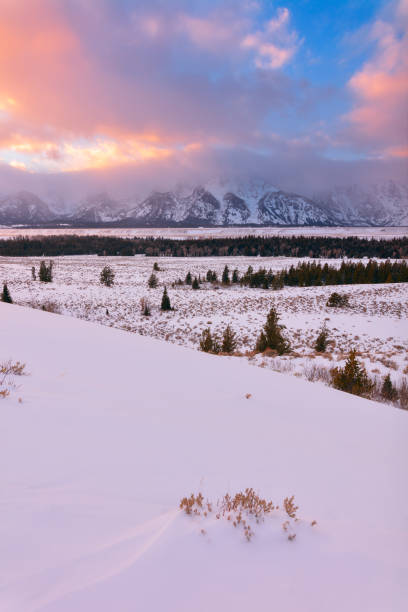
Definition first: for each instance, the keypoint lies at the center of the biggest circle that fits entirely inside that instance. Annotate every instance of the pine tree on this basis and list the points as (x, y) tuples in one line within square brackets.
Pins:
[(209, 276), (229, 341), (152, 282), (271, 336), (165, 303), (321, 340), (33, 274), (188, 279), (107, 276), (388, 391), (225, 276), (195, 284), (352, 378), (156, 267), (5, 296), (235, 276)]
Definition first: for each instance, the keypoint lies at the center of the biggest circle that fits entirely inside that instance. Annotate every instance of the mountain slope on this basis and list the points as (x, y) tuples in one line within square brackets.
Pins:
[(24, 208), (280, 208), (99, 451), (382, 204), (223, 202), (100, 208)]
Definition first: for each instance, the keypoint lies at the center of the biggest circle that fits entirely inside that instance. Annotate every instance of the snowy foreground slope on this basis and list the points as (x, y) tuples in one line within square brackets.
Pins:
[(113, 429)]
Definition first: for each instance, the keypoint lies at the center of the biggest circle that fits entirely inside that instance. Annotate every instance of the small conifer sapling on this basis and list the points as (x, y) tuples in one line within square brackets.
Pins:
[(353, 378), (321, 340), (165, 303), (225, 276), (5, 296), (152, 282), (229, 340), (271, 336), (388, 391), (107, 276)]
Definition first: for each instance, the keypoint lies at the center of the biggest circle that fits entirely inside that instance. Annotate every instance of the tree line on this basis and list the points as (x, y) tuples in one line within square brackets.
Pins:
[(309, 274), (305, 274), (271, 246)]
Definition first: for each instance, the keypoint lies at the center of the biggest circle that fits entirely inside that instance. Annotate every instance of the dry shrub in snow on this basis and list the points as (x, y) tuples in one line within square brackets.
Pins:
[(8, 370), (314, 373), (338, 300), (51, 307), (242, 511)]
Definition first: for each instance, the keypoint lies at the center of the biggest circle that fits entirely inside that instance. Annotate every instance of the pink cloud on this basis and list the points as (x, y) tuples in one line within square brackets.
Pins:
[(380, 88), (275, 44)]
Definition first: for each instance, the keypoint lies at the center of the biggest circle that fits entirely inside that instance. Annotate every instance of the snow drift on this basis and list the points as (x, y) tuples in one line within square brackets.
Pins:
[(113, 429)]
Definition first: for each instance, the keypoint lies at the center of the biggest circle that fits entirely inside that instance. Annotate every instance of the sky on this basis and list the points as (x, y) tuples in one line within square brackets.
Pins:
[(115, 93)]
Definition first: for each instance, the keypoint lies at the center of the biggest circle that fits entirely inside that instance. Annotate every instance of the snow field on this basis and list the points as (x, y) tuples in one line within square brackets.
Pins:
[(110, 430)]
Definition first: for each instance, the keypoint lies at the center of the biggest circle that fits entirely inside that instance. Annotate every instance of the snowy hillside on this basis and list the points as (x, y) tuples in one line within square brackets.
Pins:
[(110, 430)]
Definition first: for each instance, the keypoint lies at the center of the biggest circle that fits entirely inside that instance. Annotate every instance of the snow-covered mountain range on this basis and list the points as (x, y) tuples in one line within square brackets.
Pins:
[(221, 203)]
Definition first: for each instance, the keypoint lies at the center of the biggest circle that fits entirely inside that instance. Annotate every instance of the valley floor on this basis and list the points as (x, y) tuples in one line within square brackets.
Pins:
[(376, 324), (182, 233), (109, 430)]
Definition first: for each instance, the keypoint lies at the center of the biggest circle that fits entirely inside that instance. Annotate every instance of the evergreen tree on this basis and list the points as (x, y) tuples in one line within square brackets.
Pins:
[(235, 276), (195, 284), (33, 274), (229, 341), (42, 274), (156, 267), (321, 340), (107, 276), (261, 343), (225, 276), (352, 378), (188, 279), (165, 303), (271, 336), (45, 273), (5, 296), (209, 276), (152, 282), (388, 391)]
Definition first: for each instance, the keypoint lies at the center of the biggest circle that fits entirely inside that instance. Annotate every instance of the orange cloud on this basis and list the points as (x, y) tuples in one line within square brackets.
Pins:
[(380, 88)]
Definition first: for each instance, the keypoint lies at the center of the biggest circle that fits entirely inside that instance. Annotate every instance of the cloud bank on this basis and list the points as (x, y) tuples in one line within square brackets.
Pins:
[(118, 94)]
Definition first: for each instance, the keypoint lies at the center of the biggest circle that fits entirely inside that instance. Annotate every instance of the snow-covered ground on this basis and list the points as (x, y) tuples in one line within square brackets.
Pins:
[(110, 429), (212, 232), (376, 324)]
